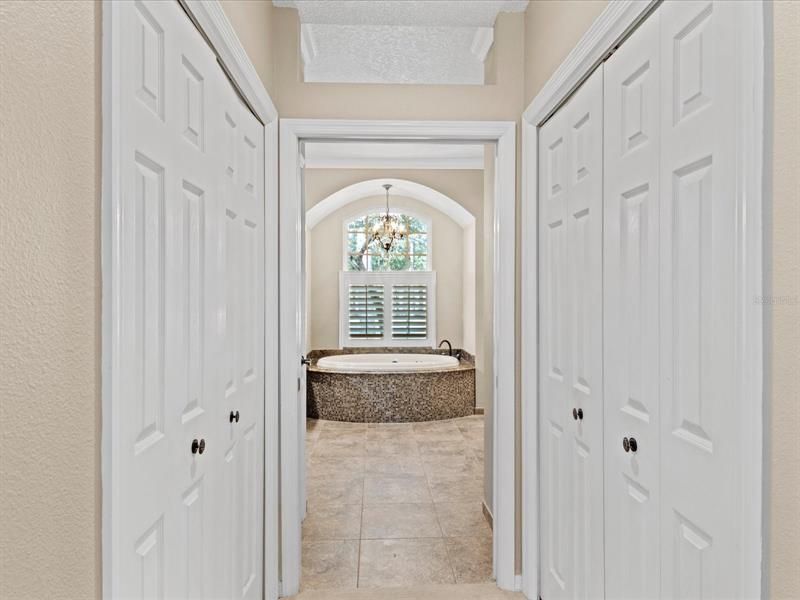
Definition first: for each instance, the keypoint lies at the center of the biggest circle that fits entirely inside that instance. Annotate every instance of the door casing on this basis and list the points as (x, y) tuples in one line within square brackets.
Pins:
[(292, 134), (209, 17), (610, 28)]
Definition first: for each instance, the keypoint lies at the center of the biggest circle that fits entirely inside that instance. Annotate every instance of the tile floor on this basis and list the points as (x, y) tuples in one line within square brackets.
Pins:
[(395, 504)]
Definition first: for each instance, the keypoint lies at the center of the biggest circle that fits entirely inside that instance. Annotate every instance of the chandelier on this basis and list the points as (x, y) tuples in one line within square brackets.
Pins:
[(388, 229)]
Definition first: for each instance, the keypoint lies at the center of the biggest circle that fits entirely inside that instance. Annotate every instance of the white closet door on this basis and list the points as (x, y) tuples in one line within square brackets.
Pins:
[(167, 336), (571, 408), (241, 260), (701, 490), (631, 312), (170, 385)]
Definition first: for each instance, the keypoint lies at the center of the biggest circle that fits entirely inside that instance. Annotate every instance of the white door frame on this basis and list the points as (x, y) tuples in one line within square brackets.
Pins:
[(211, 20), (292, 133), (600, 40)]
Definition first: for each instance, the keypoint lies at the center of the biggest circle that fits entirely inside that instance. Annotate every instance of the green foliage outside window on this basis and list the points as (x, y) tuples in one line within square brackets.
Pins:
[(408, 254)]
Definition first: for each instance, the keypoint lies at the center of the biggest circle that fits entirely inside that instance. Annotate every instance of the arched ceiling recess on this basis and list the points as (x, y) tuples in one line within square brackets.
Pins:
[(400, 187)]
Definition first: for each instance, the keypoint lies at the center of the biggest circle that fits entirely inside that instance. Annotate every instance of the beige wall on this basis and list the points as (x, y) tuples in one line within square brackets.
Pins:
[(49, 260), (551, 30), (50, 300), (326, 254), (463, 186), (253, 22), (784, 377)]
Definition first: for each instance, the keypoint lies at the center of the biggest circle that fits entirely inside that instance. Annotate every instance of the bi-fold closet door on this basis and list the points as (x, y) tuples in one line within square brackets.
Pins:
[(571, 387), (187, 487), (639, 242), (671, 244)]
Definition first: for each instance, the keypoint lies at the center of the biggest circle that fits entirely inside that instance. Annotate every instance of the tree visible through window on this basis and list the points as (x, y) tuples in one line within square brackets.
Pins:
[(408, 254)]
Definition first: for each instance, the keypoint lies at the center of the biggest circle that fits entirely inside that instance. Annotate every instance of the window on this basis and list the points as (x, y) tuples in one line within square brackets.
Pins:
[(409, 254), (387, 298), (387, 309)]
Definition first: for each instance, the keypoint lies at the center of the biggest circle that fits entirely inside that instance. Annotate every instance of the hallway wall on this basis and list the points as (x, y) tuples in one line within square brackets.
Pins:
[(783, 336), (50, 300)]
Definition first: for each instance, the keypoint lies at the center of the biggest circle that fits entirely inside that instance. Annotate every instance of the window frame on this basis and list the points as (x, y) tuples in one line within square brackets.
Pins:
[(398, 209), (387, 279)]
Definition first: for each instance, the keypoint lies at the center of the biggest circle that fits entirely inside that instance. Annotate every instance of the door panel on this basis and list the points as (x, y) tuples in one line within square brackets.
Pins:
[(242, 416), (701, 493), (630, 313), (556, 480), (571, 351)]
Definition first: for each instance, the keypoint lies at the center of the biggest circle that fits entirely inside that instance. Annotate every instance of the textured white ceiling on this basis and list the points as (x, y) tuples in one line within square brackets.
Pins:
[(392, 155), (397, 41), (449, 13)]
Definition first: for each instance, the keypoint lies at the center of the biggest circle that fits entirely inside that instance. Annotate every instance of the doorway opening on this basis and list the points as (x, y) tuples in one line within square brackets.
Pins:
[(397, 367)]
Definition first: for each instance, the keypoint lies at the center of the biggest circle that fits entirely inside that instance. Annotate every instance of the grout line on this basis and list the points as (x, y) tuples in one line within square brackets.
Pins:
[(360, 530)]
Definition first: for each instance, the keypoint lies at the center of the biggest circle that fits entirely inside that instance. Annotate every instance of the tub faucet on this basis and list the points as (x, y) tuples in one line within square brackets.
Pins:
[(449, 347)]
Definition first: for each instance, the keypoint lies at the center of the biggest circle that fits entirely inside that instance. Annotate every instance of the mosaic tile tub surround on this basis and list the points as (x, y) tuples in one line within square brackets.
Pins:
[(390, 397)]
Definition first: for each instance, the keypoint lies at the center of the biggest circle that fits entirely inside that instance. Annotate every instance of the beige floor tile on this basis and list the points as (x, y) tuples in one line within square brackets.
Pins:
[(340, 447), (393, 447), (387, 563), (335, 491), (338, 467), (343, 426), (471, 558), (396, 490), (342, 434), (386, 521), (427, 448), (472, 433), (391, 465), (455, 489), (434, 426), (455, 465), (330, 565), (474, 445), (391, 428), (332, 522), (450, 434), (453, 591), (471, 422), (462, 519)]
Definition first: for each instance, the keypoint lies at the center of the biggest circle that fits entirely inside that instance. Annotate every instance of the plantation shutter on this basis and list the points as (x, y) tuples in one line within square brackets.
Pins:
[(365, 311), (409, 312)]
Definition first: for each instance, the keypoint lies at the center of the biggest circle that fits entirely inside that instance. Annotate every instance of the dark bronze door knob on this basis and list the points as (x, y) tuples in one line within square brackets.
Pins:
[(626, 444), (234, 416), (198, 447), (575, 413), (580, 414), (630, 445)]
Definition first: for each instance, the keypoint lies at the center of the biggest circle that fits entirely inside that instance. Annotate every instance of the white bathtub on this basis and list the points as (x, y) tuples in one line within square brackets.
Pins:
[(387, 363)]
